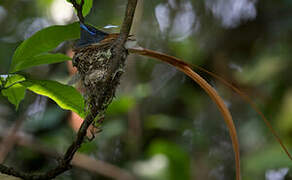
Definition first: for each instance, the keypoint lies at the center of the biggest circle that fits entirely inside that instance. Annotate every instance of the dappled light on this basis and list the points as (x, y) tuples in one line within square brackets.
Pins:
[(232, 12), (61, 11)]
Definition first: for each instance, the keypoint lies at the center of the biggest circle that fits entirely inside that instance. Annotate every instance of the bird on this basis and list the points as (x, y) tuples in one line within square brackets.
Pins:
[(90, 35)]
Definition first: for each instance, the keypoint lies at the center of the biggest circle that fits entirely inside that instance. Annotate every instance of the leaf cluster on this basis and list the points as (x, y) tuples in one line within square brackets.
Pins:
[(38, 50)]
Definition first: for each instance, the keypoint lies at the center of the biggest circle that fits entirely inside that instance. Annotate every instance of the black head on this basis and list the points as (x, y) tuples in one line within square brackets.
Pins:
[(89, 35)]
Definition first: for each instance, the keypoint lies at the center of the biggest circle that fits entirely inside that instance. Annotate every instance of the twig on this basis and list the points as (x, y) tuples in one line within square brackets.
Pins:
[(80, 160), (78, 8), (7, 87), (101, 167), (64, 163), (9, 140), (127, 23), (124, 33)]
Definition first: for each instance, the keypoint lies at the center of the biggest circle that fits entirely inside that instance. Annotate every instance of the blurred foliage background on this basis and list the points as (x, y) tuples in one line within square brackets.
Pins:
[(162, 126)]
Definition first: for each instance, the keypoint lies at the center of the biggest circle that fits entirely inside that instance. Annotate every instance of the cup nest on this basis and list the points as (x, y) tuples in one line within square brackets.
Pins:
[(98, 74)]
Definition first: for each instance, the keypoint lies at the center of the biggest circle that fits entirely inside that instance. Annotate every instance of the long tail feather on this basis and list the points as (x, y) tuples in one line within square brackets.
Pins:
[(253, 105), (186, 68)]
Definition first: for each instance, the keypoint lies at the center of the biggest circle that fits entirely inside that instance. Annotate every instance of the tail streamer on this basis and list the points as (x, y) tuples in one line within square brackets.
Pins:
[(187, 69)]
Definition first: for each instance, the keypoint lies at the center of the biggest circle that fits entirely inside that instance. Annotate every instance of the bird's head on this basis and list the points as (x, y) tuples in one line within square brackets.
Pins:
[(90, 35)]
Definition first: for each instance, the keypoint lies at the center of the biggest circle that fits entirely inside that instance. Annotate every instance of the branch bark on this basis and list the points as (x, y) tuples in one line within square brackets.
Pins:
[(124, 33), (8, 142), (79, 160), (78, 8)]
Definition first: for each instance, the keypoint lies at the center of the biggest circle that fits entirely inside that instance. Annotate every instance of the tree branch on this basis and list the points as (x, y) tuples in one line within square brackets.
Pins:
[(79, 160), (8, 142), (124, 33), (78, 8), (127, 23)]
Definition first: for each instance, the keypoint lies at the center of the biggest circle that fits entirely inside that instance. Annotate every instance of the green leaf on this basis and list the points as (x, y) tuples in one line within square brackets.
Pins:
[(10, 79), (15, 92), (3, 79), (65, 96), (33, 51), (86, 6), (40, 59)]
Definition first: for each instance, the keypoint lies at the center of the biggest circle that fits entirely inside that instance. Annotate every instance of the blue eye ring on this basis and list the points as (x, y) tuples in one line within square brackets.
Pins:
[(86, 29)]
